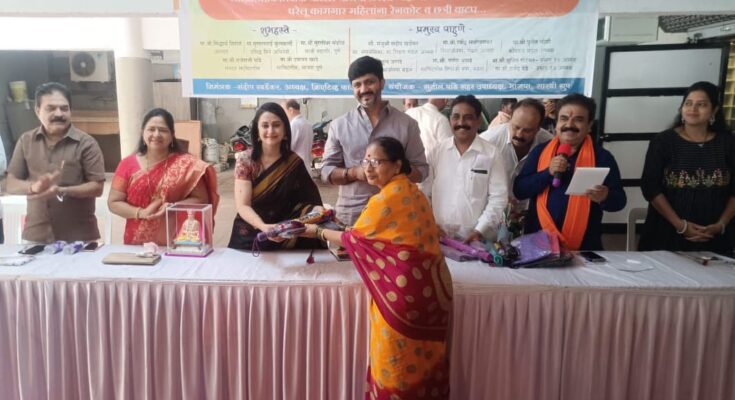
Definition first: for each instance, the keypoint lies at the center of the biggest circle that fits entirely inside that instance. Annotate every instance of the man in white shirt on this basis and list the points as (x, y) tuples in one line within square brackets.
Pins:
[(467, 182), (434, 126), (516, 138), (302, 135)]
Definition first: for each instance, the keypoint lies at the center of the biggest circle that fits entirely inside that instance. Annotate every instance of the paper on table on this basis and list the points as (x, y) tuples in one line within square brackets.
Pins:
[(15, 260), (632, 266), (586, 178)]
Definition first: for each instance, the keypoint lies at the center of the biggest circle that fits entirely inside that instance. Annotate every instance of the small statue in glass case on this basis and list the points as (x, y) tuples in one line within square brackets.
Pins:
[(189, 230), (189, 234)]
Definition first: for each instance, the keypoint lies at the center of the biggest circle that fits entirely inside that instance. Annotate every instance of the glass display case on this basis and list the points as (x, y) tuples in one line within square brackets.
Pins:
[(189, 229)]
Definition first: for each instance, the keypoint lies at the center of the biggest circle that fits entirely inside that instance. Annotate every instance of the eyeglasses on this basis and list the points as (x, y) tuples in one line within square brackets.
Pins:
[(375, 162)]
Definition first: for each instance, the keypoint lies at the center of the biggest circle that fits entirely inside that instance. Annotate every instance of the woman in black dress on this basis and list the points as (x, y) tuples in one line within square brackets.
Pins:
[(688, 179)]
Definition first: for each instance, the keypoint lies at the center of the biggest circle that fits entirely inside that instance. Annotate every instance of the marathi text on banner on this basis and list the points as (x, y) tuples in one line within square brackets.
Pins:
[(235, 48)]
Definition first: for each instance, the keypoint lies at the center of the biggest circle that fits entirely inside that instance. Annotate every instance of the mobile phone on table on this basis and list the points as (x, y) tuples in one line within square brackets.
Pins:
[(591, 256), (35, 249), (92, 246)]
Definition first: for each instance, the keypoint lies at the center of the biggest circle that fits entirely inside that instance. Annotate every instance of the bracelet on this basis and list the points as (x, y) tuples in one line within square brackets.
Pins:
[(137, 213), (722, 232), (320, 233), (684, 229)]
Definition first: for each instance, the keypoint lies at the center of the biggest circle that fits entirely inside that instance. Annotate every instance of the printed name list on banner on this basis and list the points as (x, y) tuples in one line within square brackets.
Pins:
[(303, 48)]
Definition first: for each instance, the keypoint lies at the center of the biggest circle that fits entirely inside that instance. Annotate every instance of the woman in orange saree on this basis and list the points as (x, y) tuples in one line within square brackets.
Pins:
[(395, 247), (159, 173)]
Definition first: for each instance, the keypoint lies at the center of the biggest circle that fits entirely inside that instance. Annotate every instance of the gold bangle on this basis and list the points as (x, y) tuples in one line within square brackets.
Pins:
[(318, 232)]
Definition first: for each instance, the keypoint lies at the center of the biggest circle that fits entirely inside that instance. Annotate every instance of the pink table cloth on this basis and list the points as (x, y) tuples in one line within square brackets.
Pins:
[(232, 326)]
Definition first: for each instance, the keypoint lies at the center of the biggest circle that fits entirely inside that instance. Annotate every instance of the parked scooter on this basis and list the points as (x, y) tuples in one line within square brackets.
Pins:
[(241, 141), (320, 129)]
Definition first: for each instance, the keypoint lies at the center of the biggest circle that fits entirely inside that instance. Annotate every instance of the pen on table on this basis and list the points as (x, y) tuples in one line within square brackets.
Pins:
[(700, 260)]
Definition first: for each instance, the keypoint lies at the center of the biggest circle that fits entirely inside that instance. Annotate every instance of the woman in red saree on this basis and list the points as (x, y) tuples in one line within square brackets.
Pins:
[(157, 174), (395, 247)]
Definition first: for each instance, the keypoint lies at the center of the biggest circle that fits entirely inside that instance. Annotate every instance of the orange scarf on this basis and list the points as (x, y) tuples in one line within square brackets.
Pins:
[(578, 207)]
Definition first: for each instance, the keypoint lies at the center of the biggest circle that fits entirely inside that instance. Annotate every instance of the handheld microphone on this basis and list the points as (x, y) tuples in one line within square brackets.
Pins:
[(564, 150)]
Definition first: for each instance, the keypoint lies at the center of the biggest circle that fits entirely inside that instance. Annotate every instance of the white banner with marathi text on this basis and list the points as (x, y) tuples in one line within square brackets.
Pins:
[(429, 48)]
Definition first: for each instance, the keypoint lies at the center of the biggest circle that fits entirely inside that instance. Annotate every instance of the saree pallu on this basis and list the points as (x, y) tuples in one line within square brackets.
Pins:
[(395, 248), (171, 180), (283, 191)]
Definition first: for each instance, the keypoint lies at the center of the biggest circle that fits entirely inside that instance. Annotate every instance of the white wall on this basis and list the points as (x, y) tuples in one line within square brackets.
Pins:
[(109, 33), (669, 7), (161, 33), (91, 7), (60, 33)]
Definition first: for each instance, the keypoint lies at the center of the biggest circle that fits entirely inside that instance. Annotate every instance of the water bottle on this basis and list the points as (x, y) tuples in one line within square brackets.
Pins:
[(55, 247), (73, 248)]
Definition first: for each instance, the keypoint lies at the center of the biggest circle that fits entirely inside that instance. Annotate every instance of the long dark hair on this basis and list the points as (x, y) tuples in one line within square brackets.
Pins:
[(257, 143), (394, 151), (713, 94), (174, 147)]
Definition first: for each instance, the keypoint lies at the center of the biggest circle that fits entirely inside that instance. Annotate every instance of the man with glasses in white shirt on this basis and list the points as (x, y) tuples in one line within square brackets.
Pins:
[(467, 182)]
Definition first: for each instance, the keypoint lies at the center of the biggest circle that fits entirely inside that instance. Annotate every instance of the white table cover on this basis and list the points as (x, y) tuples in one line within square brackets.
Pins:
[(231, 326)]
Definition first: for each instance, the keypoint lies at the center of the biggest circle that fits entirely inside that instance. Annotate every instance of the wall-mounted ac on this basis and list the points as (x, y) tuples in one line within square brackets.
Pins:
[(723, 29), (89, 66), (619, 30)]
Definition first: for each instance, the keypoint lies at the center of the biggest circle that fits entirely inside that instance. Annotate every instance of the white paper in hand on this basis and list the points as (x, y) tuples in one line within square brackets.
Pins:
[(586, 178)]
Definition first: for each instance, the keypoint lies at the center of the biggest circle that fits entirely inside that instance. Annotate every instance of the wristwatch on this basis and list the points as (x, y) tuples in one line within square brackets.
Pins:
[(60, 194)]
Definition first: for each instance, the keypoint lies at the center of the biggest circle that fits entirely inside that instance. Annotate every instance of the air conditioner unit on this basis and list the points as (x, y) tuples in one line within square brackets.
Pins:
[(89, 66), (719, 30), (627, 29)]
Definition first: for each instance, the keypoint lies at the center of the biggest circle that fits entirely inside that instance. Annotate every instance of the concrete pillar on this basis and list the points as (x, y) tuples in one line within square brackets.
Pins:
[(134, 80)]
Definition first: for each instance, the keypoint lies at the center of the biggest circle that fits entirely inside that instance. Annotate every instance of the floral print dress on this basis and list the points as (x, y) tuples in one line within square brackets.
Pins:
[(697, 180)]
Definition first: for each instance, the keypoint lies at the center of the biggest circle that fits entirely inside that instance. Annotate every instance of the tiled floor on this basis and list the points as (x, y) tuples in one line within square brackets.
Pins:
[(226, 214)]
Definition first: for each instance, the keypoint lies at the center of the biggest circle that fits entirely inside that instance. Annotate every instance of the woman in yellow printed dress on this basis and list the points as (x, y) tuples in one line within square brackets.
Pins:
[(395, 247)]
